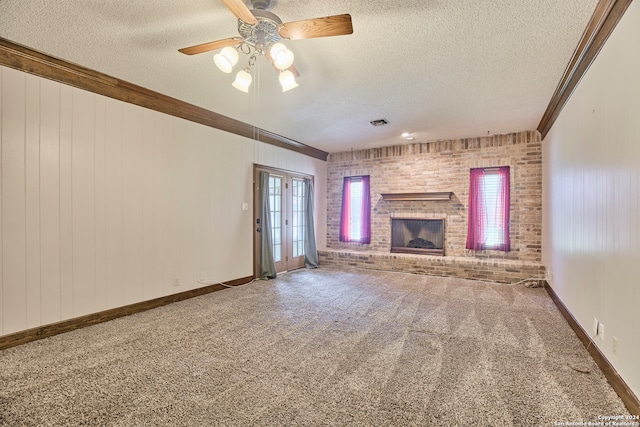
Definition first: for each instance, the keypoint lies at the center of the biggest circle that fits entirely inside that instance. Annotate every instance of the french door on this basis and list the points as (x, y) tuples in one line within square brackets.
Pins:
[(287, 198)]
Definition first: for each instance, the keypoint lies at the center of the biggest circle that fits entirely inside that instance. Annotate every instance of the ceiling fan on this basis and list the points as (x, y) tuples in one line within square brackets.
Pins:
[(261, 33)]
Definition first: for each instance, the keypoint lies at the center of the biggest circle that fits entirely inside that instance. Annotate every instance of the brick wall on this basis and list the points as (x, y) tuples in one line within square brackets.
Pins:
[(443, 166)]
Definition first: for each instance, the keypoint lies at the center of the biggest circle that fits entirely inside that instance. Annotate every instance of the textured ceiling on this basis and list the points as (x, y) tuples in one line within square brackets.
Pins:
[(439, 69)]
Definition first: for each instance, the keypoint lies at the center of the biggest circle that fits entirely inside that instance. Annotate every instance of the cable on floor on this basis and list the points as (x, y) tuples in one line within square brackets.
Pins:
[(538, 282), (581, 369), (215, 282)]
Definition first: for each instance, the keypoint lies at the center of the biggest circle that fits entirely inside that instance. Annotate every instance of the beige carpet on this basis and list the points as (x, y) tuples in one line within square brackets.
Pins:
[(317, 347)]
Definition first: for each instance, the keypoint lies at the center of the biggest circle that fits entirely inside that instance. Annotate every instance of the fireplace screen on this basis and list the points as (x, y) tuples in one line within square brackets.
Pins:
[(417, 236)]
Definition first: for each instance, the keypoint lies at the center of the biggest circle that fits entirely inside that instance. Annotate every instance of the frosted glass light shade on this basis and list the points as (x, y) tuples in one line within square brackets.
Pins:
[(287, 80), (282, 57), (226, 59), (243, 81)]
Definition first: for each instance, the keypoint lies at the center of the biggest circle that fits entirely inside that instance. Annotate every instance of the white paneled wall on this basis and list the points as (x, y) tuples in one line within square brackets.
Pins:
[(104, 204), (592, 199)]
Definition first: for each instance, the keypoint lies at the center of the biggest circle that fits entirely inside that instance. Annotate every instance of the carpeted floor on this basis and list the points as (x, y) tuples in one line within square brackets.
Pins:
[(317, 347)]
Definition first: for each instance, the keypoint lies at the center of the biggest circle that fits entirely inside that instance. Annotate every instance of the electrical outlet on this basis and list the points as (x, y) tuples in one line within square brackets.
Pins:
[(601, 331), (176, 282), (614, 346), (595, 327)]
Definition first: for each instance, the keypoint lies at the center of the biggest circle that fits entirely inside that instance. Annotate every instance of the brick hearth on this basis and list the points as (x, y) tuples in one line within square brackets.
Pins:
[(494, 270)]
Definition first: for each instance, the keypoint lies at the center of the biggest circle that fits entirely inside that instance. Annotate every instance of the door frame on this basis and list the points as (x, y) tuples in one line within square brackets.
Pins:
[(286, 212)]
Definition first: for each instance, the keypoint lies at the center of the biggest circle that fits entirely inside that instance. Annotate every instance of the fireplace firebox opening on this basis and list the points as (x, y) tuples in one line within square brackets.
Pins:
[(417, 236)]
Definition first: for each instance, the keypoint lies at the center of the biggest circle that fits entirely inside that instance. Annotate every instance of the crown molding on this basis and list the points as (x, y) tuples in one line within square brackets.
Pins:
[(603, 21), (25, 59)]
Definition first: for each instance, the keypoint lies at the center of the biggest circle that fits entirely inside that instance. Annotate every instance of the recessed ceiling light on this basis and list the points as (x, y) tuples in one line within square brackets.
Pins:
[(407, 136)]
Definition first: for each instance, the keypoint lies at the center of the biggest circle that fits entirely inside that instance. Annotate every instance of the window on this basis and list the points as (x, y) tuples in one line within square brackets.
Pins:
[(355, 216), (489, 200)]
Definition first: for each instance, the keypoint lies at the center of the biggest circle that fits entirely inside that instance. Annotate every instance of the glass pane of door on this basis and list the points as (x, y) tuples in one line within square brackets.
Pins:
[(275, 205), (297, 217)]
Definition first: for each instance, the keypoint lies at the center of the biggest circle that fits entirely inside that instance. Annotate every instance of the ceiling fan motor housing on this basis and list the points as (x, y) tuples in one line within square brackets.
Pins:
[(264, 32), (261, 4)]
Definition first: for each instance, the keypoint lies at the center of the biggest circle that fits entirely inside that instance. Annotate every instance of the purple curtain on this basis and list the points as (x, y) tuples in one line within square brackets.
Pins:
[(481, 223), (475, 225), (364, 209), (505, 203), (345, 212)]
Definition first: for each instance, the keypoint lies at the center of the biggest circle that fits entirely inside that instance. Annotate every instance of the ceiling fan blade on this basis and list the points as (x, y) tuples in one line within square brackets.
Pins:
[(206, 47), (293, 68), (336, 25), (242, 12)]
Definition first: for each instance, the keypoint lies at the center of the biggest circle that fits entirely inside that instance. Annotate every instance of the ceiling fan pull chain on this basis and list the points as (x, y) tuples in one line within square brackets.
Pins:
[(245, 48), (252, 60)]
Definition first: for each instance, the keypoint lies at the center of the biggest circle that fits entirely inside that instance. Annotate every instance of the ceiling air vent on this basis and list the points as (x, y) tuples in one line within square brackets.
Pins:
[(379, 122)]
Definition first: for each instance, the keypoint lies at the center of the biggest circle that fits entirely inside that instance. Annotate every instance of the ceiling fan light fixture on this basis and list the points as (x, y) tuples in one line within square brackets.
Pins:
[(261, 32), (242, 81), (226, 59), (282, 57), (287, 80)]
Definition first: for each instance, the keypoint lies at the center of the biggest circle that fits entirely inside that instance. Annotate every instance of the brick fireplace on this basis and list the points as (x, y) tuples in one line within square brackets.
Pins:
[(417, 236), (430, 181)]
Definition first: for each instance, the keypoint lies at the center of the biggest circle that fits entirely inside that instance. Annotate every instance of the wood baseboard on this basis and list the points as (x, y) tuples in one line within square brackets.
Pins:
[(630, 400), (41, 332)]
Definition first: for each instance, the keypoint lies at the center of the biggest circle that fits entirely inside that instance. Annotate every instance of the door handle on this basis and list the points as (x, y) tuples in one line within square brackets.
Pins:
[(258, 229)]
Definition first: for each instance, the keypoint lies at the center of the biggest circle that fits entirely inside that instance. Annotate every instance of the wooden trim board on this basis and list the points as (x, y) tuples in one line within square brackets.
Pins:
[(603, 21), (442, 195), (630, 400), (37, 63), (46, 331)]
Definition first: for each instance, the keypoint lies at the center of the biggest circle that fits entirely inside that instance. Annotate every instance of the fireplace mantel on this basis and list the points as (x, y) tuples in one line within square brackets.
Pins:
[(446, 195)]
